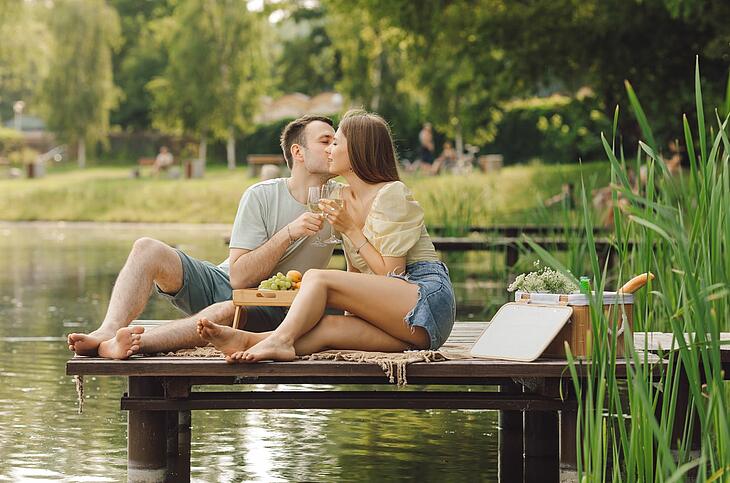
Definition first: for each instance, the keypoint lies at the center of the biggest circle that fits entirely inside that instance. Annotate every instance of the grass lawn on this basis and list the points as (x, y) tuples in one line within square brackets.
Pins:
[(109, 194)]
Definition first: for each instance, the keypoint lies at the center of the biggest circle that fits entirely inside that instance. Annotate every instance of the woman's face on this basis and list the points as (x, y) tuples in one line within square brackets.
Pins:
[(337, 157)]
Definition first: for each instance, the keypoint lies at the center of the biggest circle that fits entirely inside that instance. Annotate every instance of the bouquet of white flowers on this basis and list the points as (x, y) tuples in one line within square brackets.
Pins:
[(543, 280)]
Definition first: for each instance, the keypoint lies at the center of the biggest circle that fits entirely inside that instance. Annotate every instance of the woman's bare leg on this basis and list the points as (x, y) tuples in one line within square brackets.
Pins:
[(381, 301), (227, 339), (340, 332)]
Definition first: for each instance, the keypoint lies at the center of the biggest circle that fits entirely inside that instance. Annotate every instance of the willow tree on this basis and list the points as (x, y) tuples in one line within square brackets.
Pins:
[(79, 91), (23, 63), (216, 72)]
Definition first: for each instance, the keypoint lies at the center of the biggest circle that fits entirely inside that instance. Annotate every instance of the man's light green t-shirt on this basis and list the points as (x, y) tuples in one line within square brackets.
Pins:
[(266, 208)]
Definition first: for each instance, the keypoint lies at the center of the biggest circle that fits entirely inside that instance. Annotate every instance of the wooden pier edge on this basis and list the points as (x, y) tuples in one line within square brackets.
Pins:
[(537, 409)]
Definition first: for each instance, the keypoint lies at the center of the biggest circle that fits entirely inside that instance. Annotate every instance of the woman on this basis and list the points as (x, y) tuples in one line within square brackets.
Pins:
[(396, 294)]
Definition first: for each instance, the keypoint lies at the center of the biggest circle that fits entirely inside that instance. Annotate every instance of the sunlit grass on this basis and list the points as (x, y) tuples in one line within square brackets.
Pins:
[(513, 195)]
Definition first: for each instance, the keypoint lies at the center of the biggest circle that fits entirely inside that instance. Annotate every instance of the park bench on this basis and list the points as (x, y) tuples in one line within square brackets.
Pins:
[(160, 399), (256, 161), (145, 162)]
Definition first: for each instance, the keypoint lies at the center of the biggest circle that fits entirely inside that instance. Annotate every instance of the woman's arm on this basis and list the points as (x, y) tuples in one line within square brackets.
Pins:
[(343, 222), (379, 264), (350, 267)]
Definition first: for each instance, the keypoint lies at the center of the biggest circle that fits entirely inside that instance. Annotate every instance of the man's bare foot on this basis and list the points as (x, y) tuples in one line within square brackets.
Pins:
[(88, 344), (226, 339), (272, 348), (123, 345)]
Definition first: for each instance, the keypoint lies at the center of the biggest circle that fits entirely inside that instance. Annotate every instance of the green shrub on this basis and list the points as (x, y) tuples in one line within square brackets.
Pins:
[(555, 129), (10, 140)]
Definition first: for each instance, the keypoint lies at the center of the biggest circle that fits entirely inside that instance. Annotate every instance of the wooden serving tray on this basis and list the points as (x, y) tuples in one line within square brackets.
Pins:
[(265, 298)]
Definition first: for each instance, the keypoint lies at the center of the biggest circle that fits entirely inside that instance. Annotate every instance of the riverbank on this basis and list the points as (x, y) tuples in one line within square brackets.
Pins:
[(109, 194)]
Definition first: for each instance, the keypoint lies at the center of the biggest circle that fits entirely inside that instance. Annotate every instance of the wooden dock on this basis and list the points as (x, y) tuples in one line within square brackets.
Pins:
[(160, 399)]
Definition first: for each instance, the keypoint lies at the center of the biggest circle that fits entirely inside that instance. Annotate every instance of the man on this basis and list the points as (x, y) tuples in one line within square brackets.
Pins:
[(163, 160), (272, 233), (425, 139)]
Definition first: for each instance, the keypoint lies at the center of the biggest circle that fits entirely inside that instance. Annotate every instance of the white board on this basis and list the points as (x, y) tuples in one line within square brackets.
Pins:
[(521, 332)]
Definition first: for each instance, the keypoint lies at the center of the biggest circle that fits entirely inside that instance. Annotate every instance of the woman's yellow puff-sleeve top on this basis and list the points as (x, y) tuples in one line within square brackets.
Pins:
[(395, 228)]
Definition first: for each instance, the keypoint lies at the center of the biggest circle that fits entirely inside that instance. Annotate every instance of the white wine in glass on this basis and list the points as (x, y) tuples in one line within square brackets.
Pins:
[(329, 193), (313, 197)]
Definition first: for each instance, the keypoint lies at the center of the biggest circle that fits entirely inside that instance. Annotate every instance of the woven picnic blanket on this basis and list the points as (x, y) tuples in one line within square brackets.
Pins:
[(393, 364)]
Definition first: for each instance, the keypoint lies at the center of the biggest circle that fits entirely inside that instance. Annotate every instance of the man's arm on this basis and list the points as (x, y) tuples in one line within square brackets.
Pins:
[(249, 267)]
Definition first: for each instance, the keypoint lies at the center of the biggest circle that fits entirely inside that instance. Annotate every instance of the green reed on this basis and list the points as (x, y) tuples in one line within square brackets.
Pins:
[(457, 206), (680, 226)]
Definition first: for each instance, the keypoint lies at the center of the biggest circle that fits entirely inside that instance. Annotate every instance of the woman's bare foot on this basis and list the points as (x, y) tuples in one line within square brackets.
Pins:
[(226, 339), (272, 348), (123, 345), (88, 344)]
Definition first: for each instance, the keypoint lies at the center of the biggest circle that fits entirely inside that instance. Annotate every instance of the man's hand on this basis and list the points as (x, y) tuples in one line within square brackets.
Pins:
[(307, 224)]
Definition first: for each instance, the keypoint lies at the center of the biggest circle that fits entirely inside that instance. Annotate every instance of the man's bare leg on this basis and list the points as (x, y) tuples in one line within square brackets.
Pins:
[(149, 262), (183, 333), (171, 336)]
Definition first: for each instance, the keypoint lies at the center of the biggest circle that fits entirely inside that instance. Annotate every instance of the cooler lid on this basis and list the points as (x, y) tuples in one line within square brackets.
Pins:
[(609, 298), (521, 332)]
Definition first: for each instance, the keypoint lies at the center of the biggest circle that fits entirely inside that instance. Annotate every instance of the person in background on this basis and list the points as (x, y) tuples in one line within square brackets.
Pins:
[(425, 140), (163, 160), (446, 160)]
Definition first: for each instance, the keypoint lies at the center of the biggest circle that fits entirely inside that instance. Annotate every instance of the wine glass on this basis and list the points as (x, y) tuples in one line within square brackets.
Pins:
[(313, 197), (331, 193)]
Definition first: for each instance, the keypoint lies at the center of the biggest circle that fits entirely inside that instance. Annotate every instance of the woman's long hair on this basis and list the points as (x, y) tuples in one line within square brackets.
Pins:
[(370, 146)]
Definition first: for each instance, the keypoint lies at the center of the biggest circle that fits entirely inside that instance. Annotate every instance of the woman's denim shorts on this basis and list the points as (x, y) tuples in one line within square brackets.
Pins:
[(435, 309)]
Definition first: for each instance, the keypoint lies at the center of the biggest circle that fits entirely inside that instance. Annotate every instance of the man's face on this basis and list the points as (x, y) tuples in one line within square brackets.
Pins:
[(319, 135)]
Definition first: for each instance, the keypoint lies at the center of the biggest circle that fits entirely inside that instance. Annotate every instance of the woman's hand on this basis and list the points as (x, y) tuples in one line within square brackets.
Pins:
[(339, 218)]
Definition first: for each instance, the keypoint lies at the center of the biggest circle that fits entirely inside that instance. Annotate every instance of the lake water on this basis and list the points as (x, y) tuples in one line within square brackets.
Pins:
[(56, 278)]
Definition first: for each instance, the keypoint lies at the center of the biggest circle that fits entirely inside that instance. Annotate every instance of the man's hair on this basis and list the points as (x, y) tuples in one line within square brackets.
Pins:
[(369, 146), (293, 134)]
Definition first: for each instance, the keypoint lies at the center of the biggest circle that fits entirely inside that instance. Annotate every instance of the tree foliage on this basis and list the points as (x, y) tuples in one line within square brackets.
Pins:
[(306, 60), (141, 58), (79, 91), (200, 66), (24, 53), (216, 68)]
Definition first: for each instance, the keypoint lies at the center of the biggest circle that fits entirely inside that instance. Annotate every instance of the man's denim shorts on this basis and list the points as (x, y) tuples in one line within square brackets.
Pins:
[(205, 284), (435, 309)]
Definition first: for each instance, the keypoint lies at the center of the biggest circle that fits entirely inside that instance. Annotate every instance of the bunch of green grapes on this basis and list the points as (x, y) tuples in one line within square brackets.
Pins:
[(277, 282)]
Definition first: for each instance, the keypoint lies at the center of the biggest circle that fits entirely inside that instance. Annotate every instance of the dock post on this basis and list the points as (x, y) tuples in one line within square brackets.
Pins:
[(510, 439), (542, 458), (178, 446), (568, 427), (146, 435)]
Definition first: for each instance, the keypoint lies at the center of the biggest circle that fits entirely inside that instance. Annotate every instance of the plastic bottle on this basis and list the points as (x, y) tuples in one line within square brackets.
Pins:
[(585, 284)]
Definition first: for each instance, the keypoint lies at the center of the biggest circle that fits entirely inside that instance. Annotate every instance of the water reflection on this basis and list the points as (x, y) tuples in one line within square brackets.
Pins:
[(57, 279)]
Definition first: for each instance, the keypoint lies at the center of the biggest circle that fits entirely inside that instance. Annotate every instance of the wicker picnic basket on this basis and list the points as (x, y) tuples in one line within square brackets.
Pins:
[(577, 332)]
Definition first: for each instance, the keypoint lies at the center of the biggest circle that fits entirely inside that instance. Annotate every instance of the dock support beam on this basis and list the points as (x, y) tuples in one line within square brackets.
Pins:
[(147, 435), (542, 449), (510, 439)]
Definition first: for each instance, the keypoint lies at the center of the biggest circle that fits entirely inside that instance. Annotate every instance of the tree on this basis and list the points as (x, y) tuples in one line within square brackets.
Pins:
[(79, 91), (24, 41), (141, 58), (373, 65), (306, 60), (459, 60), (216, 71), (573, 43)]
